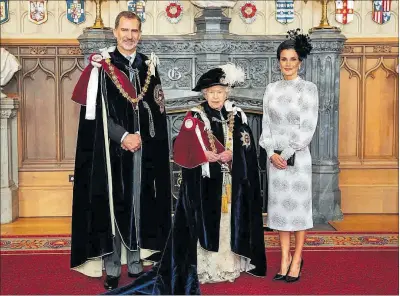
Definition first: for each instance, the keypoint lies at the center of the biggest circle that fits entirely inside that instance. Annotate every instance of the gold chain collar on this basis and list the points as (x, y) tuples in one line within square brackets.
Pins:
[(114, 78), (211, 138)]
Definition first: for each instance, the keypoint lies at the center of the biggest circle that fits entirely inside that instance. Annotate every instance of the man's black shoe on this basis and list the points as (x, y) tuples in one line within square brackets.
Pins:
[(111, 282)]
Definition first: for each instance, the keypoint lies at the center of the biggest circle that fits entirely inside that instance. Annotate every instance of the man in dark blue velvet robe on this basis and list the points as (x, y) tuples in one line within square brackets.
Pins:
[(121, 196)]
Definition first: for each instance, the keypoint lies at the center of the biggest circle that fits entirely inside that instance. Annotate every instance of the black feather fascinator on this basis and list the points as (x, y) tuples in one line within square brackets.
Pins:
[(302, 43)]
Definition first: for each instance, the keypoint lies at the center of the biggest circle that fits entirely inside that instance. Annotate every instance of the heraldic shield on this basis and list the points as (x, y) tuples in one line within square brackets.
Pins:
[(139, 8), (381, 11), (344, 11), (76, 11), (37, 11), (4, 11), (285, 11)]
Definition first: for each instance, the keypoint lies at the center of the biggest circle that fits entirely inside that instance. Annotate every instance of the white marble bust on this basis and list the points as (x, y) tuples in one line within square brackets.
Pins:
[(9, 65), (210, 3)]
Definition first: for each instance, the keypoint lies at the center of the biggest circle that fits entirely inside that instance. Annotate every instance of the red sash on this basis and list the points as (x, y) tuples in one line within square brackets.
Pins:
[(188, 152), (79, 95)]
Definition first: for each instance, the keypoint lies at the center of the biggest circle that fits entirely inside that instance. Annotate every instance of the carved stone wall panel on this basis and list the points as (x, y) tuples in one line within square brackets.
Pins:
[(175, 47), (176, 73), (256, 72), (275, 71)]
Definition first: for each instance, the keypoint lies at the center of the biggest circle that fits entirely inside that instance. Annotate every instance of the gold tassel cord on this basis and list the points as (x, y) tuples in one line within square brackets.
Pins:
[(227, 182), (228, 189)]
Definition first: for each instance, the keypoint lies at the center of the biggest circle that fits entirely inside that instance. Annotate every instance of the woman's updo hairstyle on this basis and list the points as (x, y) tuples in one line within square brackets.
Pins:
[(299, 42)]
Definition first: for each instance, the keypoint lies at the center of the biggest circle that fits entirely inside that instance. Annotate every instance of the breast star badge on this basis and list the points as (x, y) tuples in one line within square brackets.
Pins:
[(245, 139)]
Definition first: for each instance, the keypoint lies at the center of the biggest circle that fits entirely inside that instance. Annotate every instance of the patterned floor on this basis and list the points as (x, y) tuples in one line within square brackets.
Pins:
[(314, 240)]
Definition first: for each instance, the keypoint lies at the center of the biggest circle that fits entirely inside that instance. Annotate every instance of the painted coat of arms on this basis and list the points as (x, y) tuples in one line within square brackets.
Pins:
[(381, 11), (248, 12), (37, 11), (138, 7), (76, 11), (285, 11), (344, 11), (174, 11), (4, 11)]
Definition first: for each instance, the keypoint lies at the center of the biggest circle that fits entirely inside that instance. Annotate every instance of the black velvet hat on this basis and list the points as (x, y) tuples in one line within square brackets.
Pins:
[(226, 75)]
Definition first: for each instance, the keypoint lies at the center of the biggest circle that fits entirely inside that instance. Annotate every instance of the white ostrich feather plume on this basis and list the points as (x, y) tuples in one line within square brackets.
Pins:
[(233, 74)]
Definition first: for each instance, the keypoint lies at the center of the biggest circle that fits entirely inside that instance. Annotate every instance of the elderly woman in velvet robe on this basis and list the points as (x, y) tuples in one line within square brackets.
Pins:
[(218, 231)]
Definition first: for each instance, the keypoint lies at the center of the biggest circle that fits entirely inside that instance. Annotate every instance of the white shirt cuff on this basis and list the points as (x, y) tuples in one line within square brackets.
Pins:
[(123, 137)]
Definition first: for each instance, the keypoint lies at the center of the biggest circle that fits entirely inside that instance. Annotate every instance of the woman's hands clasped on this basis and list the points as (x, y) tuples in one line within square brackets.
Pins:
[(223, 157), (278, 161)]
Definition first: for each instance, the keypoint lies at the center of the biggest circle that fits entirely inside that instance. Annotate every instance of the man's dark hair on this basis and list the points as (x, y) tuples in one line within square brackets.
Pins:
[(128, 15)]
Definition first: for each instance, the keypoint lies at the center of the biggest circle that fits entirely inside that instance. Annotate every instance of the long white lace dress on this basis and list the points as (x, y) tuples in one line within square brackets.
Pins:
[(224, 265), (290, 116)]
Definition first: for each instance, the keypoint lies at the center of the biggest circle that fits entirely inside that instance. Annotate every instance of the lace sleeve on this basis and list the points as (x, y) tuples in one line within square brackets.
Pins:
[(301, 138), (266, 139)]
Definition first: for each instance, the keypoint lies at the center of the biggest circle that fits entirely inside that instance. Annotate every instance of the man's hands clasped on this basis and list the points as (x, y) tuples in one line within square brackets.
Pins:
[(132, 142)]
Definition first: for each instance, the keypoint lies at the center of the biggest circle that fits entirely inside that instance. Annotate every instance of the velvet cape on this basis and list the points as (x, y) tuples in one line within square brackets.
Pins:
[(197, 217), (91, 220)]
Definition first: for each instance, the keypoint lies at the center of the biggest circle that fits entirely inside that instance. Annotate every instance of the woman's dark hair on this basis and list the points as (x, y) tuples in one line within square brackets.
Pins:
[(299, 42)]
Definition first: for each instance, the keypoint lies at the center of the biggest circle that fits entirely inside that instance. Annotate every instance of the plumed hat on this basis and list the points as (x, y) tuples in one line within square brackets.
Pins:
[(225, 75)]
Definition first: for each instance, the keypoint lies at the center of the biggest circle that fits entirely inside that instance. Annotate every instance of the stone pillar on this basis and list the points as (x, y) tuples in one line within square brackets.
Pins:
[(92, 40), (212, 31), (212, 21), (323, 68), (9, 160)]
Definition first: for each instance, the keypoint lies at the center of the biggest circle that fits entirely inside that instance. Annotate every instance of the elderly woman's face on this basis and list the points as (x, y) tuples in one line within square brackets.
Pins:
[(216, 96), (289, 63)]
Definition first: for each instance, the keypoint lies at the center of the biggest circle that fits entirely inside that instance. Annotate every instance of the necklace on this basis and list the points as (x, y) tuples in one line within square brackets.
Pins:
[(219, 120), (122, 91), (211, 137)]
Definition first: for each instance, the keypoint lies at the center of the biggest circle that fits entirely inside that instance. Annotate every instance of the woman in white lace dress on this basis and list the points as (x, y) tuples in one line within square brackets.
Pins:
[(290, 116)]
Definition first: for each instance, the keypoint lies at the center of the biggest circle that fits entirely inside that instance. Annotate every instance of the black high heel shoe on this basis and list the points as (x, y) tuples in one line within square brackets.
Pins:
[(292, 279), (282, 277)]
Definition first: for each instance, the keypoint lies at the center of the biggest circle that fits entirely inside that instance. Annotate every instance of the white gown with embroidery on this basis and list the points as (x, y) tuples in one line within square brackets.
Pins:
[(290, 115), (224, 265)]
